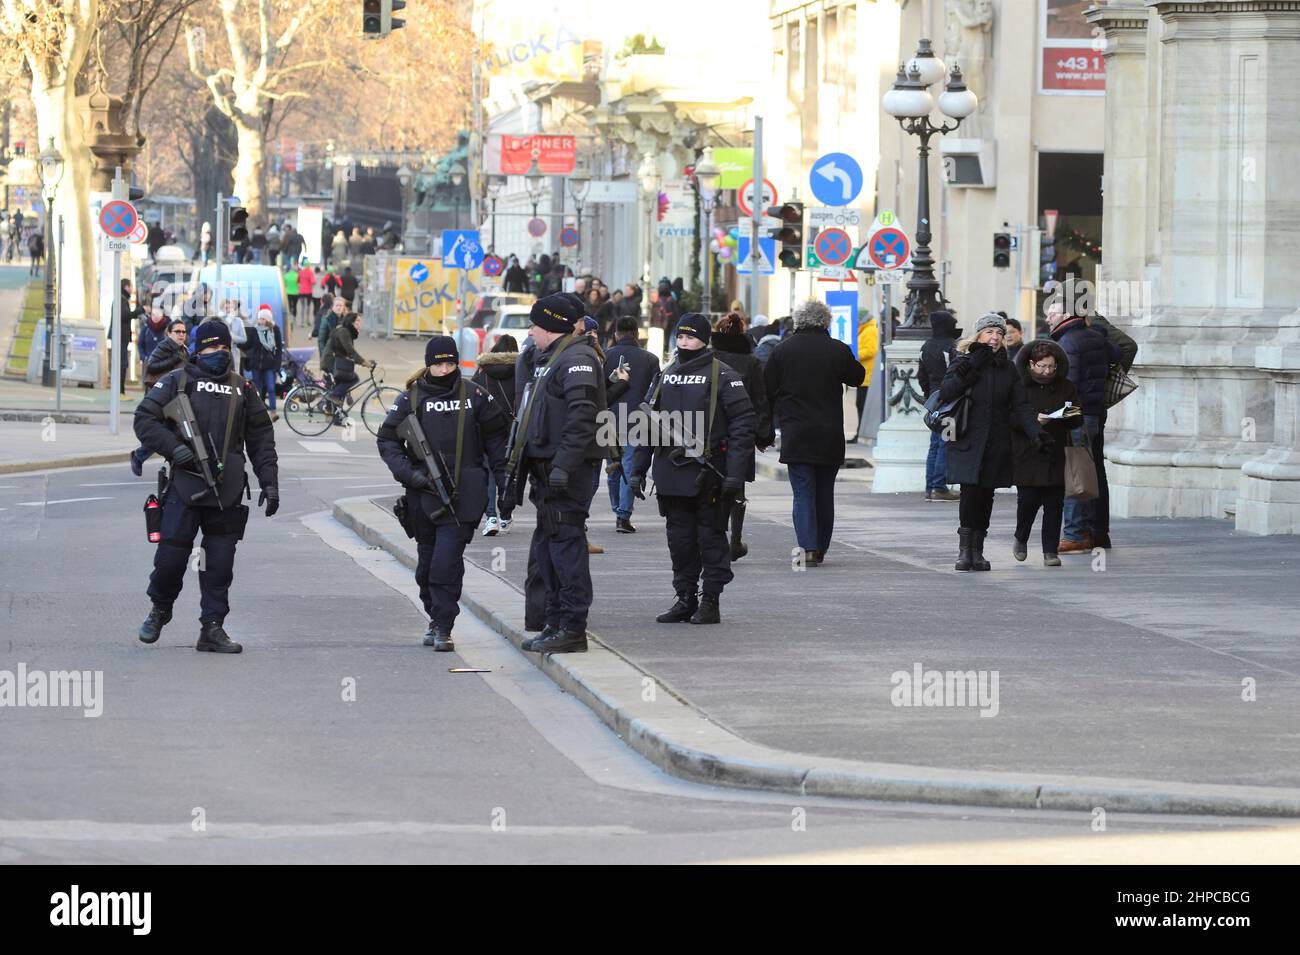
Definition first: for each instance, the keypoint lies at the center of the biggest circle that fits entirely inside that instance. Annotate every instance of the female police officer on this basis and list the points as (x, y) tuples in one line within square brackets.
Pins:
[(699, 470), (438, 459)]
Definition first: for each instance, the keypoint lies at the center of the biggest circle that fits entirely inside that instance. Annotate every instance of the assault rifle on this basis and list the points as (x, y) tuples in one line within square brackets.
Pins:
[(181, 412), (411, 432)]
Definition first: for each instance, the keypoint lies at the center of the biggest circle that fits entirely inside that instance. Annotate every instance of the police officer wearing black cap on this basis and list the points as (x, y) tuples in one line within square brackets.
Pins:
[(461, 422), (556, 449), (207, 482), (696, 491)]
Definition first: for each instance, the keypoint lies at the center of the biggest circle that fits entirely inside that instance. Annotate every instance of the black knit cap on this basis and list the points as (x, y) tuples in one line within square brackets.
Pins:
[(695, 325), (557, 313), (210, 333), (441, 348)]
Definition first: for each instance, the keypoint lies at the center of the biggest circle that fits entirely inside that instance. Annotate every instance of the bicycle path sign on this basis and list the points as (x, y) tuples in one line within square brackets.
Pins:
[(461, 249)]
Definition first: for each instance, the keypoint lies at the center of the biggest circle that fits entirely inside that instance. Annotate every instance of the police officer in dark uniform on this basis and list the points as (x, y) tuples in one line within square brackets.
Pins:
[(696, 492), (461, 422), (228, 414), (555, 448)]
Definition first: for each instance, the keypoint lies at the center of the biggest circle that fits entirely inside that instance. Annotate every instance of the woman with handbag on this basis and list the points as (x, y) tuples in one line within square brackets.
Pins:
[(1040, 474), (980, 456)]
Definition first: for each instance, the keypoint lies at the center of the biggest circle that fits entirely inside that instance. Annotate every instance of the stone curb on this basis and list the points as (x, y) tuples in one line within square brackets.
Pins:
[(663, 727), (60, 417), (74, 461)]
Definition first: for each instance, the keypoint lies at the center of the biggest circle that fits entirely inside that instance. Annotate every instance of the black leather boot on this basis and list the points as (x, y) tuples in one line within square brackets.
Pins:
[(151, 629), (681, 611), (563, 641), (546, 633), (213, 639), (442, 641), (965, 556), (977, 546), (708, 612)]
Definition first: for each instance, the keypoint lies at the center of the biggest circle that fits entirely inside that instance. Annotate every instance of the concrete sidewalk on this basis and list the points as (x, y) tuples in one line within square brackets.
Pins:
[(1175, 666), (36, 445)]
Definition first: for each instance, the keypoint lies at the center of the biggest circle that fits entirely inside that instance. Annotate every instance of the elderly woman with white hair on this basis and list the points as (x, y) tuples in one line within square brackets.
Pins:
[(805, 378)]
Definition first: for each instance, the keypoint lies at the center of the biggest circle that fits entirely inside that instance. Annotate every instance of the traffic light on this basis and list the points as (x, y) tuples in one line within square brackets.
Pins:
[(134, 193), (789, 234), (372, 18), (238, 225), (391, 7), (1047, 259), (1002, 250)]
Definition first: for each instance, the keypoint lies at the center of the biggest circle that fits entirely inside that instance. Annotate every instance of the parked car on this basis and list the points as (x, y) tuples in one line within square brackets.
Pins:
[(490, 303), (510, 320)]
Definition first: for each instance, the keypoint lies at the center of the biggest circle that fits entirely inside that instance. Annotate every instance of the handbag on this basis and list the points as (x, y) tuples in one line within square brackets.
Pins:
[(1118, 385), (938, 413), (1080, 474)]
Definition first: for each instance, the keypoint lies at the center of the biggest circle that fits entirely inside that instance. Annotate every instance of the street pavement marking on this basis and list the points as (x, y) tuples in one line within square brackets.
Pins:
[(88, 830), (140, 482), (329, 447), (65, 500), (358, 487)]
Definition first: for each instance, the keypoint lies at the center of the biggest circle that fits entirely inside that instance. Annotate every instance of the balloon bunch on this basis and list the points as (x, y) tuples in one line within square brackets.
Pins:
[(724, 242)]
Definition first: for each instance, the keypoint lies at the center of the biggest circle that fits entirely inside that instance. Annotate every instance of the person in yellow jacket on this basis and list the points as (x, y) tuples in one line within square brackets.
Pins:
[(868, 345)]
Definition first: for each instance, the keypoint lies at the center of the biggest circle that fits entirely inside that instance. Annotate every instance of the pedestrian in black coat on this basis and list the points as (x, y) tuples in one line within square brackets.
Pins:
[(805, 378), (733, 347), (1040, 473), (980, 459), (516, 279)]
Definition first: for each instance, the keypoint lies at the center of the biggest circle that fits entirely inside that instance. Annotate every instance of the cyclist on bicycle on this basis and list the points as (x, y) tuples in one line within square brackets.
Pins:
[(465, 428), (341, 356)]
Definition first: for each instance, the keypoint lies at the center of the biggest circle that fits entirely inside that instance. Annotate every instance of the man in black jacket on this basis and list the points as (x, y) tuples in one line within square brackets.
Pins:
[(1090, 353), (697, 484), (936, 355), (229, 414), (643, 367), (557, 453), (805, 379)]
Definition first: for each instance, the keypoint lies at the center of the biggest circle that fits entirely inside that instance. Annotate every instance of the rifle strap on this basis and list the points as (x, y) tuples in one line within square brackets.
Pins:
[(526, 413), (714, 372), (411, 395), (236, 393)]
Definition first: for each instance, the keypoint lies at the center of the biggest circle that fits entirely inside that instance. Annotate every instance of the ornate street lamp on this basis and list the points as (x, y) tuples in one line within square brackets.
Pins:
[(648, 175), (495, 185), (457, 173), (707, 176), (578, 185), (50, 170), (404, 178), (910, 103), (534, 182)]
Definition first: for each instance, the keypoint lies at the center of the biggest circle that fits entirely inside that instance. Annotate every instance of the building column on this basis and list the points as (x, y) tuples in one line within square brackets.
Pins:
[(1225, 300)]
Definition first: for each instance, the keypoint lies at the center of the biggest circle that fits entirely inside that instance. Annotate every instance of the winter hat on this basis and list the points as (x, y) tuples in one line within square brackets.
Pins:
[(210, 333), (441, 348), (589, 324), (945, 322), (267, 309), (695, 325), (556, 313), (990, 320)]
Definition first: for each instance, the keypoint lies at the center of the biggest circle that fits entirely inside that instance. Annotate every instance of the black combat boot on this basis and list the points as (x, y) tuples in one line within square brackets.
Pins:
[(213, 639), (977, 546), (965, 556), (681, 611), (562, 641), (708, 611), (531, 642), (151, 629), (439, 638)]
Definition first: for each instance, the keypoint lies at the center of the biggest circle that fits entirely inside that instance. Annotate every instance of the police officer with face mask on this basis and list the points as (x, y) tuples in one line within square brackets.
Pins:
[(555, 450), (460, 421), (200, 417), (700, 466)]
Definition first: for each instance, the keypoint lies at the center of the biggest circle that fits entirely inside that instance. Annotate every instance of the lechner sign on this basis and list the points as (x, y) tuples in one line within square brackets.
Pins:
[(512, 155)]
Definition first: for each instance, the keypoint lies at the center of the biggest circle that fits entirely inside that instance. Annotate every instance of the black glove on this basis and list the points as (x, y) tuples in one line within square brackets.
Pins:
[(270, 496), (733, 486), (980, 355), (182, 456), (637, 486), (558, 479), (420, 481)]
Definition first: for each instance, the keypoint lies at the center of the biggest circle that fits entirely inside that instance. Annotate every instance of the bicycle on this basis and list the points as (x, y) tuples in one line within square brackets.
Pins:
[(310, 410)]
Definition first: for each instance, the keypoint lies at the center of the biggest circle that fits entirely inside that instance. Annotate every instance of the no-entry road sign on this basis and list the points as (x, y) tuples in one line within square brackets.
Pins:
[(745, 198)]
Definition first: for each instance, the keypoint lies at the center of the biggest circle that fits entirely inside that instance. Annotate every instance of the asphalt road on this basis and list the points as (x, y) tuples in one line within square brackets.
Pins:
[(263, 754)]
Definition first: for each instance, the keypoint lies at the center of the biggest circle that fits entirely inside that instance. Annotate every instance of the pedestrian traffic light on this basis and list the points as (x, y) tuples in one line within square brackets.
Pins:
[(372, 18), (1002, 250), (788, 234), (238, 225), (390, 6)]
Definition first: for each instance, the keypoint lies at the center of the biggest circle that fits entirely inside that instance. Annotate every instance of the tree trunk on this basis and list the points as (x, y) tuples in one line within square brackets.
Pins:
[(250, 171), (57, 117)]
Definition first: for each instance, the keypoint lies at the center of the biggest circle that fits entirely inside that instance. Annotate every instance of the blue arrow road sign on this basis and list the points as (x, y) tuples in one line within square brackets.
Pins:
[(461, 249), (844, 317), (766, 249), (419, 272), (836, 179)]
